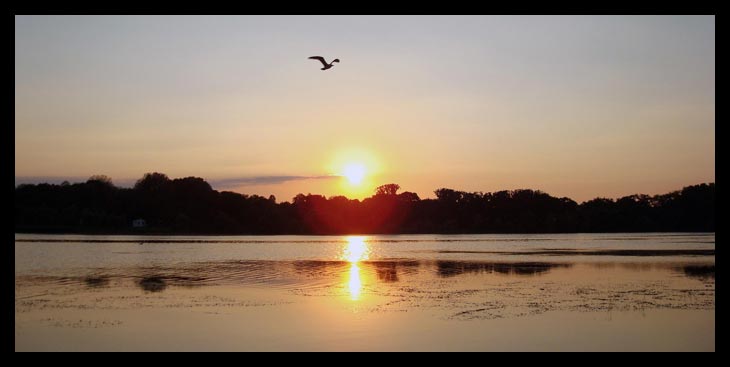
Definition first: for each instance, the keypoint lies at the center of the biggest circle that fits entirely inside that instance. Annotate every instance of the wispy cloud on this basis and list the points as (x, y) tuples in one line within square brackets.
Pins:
[(222, 183), (263, 180)]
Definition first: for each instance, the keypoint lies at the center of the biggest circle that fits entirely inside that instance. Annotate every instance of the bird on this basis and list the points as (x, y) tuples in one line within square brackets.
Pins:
[(326, 65)]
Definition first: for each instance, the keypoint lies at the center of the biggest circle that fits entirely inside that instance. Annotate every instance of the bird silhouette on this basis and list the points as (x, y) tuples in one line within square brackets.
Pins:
[(326, 65)]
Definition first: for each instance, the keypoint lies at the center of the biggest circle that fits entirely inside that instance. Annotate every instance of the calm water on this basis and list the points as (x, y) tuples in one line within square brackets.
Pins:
[(409, 292)]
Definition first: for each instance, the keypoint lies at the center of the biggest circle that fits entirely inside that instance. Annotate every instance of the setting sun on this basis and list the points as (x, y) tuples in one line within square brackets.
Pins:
[(354, 172), (359, 170)]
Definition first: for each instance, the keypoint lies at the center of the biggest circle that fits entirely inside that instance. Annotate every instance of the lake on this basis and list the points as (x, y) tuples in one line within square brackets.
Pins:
[(551, 292)]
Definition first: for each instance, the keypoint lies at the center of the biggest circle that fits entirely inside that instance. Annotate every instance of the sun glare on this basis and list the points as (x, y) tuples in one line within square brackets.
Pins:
[(354, 172), (358, 169)]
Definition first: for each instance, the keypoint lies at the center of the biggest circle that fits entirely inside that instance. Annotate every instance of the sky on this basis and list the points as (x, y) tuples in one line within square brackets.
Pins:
[(576, 106)]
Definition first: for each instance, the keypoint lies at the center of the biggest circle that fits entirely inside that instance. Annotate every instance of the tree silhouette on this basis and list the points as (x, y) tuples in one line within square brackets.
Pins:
[(190, 206), (387, 189), (151, 181), (448, 195), (101, 179)]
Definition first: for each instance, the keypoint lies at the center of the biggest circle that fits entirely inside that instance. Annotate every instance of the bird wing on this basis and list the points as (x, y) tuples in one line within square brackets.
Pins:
[(320, 58)]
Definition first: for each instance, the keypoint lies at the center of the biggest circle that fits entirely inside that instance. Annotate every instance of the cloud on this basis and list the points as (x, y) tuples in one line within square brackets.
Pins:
[(263, 180), (215, 183)]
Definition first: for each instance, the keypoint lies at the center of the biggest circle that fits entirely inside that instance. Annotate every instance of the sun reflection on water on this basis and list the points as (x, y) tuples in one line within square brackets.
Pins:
[(354, 283), (355, 250)]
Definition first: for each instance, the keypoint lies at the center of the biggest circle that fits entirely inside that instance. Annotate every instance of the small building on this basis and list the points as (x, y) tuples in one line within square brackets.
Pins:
[(139, 223)]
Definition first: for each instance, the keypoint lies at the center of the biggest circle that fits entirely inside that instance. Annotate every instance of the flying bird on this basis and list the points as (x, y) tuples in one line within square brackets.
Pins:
[(326, 65)]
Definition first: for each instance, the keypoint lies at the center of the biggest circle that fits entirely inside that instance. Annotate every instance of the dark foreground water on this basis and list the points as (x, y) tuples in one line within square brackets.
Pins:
[(574, 292)]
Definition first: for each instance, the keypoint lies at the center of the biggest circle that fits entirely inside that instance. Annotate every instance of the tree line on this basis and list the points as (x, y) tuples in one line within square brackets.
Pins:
[(190, 206)]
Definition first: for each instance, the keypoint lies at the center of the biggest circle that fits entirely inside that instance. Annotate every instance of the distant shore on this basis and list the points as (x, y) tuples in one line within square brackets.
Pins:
[(158, 205)]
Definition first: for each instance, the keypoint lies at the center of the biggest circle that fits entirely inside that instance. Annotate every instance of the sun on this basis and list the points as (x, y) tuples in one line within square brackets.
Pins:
[(354, 173), (357, 169)]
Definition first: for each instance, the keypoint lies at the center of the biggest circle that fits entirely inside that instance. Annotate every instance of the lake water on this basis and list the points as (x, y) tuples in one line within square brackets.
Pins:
[(557, 292)]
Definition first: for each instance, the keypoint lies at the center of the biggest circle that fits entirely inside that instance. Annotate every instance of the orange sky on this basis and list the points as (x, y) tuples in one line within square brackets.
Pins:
[(574, 106)]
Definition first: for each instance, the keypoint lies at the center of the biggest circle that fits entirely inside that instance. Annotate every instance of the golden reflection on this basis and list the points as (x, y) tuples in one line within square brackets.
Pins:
[(355, 251), (354, 283)]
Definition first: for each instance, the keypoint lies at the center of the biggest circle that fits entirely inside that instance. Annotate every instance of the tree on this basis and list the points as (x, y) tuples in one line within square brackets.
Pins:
[(104, 179), (409, 197), (300, 199), (387, 189), (151, 181), (448, 195)]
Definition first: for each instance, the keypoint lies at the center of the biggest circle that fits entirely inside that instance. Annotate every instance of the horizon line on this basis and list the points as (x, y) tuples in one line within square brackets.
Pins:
[(275, 180)]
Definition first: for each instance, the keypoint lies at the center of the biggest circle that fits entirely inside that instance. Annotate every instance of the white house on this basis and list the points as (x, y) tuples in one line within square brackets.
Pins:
[(139, 223)]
